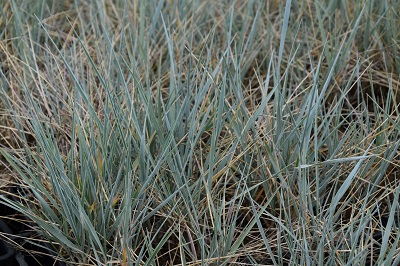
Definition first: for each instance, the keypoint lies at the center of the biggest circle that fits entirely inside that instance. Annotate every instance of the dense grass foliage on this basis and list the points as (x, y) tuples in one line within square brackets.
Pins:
[(212, 132)]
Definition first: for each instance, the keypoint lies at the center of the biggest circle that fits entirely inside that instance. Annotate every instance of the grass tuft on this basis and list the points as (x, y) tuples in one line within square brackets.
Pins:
[(203, 132)]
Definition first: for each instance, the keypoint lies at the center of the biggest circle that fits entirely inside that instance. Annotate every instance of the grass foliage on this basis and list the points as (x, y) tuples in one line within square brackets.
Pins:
[(204, 132)]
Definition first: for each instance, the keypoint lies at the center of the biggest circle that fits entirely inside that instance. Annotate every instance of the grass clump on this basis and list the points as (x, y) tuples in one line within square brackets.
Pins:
[(204, 132)]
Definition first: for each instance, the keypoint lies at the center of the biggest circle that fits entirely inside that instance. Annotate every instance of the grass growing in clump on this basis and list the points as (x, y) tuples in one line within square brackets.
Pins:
[(204, 132)]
